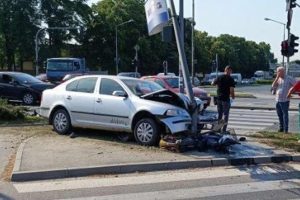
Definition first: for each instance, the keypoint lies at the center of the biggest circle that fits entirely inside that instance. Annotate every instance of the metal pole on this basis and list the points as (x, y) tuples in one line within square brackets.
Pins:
[(186, 76), (192, 62), (37, 51), (283, 40), (117, 59), (288, 58), (181, 22)]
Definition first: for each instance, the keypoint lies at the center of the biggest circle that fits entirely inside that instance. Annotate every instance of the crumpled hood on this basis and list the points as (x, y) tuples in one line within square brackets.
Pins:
[(167, 96)]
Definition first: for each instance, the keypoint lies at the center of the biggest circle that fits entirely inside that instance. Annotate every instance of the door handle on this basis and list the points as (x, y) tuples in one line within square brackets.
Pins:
[(98, 100), (69, 98)]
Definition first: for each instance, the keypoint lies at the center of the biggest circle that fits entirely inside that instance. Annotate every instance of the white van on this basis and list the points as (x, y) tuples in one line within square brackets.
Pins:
[(237, 78)]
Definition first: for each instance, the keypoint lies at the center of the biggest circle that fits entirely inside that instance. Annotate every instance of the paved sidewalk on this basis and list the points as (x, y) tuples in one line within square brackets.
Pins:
[(53, 156)]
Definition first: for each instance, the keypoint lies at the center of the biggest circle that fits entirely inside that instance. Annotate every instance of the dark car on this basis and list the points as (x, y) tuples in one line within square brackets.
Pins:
[(22, 87), (172, 82)]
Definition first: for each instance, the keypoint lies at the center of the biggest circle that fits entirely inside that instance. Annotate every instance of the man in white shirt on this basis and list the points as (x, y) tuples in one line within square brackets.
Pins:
[(282, 84)]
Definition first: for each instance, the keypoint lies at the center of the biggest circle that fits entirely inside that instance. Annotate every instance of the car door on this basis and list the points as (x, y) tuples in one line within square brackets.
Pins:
[(10, 89), (79, 98), (112, 111)]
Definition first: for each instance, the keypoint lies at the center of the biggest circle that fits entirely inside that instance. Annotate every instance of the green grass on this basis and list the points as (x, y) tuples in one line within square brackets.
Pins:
[(281, 140), (28, 120)]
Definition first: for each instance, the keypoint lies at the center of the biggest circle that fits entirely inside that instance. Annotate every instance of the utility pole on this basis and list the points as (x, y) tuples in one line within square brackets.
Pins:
[(193, 105), (181, 22), (193, 27)]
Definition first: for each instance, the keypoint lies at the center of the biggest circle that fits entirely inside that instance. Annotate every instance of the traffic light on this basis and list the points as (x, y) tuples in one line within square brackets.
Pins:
[(292, 44), (290, 4), (293, 4), (285, 48)]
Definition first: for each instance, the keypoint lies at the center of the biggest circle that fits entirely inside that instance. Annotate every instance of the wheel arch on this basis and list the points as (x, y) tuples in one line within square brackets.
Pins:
[(54, 110), (143, 114)]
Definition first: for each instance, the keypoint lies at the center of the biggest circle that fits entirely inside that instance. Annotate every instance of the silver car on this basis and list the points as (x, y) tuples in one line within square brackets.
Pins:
[(116, 103)]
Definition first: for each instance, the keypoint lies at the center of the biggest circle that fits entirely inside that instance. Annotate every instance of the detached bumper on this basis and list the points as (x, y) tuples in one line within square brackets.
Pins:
[(177, 124)]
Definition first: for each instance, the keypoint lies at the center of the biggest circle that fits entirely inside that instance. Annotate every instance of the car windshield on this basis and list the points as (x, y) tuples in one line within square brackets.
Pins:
[(141, 87), (60, 65), (173, 82), (26, 79)]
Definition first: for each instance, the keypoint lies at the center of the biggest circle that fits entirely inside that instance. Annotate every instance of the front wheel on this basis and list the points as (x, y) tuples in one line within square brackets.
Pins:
[(61, 122), (28, 98), (146, 132)]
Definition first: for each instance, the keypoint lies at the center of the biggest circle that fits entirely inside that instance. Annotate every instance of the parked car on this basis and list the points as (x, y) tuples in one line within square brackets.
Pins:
[(172, 83), (42, 77), (116, 103), (22, 87), (130, 74), (296, 88)]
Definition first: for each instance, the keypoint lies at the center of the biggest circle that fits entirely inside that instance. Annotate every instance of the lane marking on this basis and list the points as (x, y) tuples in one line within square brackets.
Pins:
[(43, 186), (201, 192)]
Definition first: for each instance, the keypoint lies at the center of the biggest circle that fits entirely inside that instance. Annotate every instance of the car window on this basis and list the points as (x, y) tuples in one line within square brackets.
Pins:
[(160, 82), (108, 86), (141, 87), (86, 85), (72, 86), (173, 82), (6, 78)]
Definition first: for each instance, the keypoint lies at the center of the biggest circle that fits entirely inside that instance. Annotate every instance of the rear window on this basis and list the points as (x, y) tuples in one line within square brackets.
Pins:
[(86, 85)]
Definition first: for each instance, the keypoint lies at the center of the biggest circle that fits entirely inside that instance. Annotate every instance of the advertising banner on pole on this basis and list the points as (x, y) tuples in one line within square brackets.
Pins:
[(157, 15)]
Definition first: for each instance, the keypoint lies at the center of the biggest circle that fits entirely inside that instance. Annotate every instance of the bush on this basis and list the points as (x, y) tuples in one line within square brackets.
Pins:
[(264, 82), (10, 112)]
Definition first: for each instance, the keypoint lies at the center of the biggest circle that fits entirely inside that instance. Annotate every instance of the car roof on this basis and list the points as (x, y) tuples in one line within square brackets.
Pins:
[(10, 72)]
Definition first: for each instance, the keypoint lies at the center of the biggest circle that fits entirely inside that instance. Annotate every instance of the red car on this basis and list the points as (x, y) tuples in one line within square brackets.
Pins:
[(296, 88), (172, 82)]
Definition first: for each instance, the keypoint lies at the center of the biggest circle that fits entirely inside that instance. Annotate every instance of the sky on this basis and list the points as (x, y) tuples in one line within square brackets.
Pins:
[(243, 18)]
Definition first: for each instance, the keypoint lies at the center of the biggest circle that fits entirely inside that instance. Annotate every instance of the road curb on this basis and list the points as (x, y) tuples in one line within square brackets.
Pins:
[(18, 160), (147, 167)]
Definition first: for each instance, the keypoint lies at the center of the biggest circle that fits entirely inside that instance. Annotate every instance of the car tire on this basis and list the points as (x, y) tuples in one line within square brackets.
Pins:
[(146, 132), (61, 122), (28, 98)]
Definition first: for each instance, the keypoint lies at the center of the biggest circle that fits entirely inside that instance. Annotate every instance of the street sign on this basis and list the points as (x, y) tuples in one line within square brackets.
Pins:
[(157, 15)]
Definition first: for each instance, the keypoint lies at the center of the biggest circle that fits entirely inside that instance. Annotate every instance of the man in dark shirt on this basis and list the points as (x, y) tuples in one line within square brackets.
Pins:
[(225, 88)]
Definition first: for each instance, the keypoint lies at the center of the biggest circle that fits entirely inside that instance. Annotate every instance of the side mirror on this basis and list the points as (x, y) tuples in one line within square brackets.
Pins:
[(119, 93)]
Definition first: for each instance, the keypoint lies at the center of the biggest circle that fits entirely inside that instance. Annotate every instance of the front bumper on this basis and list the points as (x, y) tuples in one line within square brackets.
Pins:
[(182, 124)]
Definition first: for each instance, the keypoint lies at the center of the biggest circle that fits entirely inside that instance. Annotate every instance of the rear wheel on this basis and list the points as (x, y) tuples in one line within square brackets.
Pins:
[(61, 122), (28, 98), (146, 132)]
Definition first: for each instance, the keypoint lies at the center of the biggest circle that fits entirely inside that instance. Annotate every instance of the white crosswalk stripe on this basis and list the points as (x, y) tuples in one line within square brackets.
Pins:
[(245, 121), (175, 176)]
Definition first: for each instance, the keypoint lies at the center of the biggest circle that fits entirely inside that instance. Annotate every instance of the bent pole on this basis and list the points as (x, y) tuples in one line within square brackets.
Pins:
[(185, 71)]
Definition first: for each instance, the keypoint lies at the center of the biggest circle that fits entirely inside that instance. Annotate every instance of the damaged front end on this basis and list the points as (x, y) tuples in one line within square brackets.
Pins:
[(179, 120)]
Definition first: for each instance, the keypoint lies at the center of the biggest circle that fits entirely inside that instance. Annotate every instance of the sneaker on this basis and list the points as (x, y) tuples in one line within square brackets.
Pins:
[(280, 130)]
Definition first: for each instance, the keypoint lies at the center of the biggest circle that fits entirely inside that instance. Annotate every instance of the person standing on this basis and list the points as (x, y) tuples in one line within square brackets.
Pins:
[(225, 89), (281, 87)]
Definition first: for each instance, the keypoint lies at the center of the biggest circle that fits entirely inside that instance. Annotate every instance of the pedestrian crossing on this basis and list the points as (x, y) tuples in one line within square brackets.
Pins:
[(246, 121), (181, 184)]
